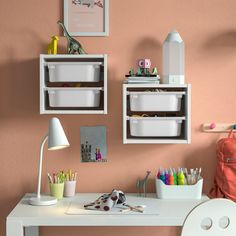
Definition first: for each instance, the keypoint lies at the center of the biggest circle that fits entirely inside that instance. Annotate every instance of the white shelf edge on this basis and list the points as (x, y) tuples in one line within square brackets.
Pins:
[(156, 85), (159, 141), (73, 56), (84, 112)]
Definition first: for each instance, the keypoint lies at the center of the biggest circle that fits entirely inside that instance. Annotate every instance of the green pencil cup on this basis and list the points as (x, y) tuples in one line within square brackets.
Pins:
[(56, 190)]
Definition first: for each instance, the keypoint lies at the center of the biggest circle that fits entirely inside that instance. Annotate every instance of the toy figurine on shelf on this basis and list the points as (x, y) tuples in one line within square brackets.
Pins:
[(144, 65), (52, 46), (143, 74), (139, 72), (154, 71), (131, 72), (73, 46), (143, 70)]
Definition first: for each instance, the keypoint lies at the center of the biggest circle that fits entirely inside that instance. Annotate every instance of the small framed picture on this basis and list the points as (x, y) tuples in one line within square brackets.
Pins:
[(93, 144), (87, 17)]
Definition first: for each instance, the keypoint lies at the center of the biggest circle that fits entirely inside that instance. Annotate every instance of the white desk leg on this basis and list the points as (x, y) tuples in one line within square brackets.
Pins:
[(32, 231), (14, 228)]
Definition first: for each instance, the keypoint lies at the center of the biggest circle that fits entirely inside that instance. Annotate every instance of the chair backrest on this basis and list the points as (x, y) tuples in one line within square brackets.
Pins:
[(216, 217)]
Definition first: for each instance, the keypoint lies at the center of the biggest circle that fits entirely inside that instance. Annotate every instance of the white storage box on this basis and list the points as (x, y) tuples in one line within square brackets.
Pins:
[(74, 97), (155, 101), (74, 71), (155, 126), (164, 191)]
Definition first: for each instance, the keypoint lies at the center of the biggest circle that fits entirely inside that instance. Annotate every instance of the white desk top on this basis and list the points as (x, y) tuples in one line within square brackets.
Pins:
[(164, 213)]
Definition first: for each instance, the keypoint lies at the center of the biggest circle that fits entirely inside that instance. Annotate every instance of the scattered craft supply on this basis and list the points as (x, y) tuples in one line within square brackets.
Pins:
[(107, 201), (73, 46), (133, 208), (141, 184), (52, 46)]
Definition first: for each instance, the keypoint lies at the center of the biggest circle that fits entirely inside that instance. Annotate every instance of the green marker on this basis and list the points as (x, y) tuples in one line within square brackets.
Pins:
[(181, 178)]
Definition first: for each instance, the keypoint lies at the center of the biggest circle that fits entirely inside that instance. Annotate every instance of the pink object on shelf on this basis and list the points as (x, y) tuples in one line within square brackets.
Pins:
[(212, 125), (144, 63)]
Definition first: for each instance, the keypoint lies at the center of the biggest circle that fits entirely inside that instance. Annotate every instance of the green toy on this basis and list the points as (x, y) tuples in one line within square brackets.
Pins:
[(154, 71), (146, 72), (73, 46), (139, 71), (131, 72)]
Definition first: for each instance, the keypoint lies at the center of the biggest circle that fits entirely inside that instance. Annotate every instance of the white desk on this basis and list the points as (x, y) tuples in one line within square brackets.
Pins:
[(26, 219)]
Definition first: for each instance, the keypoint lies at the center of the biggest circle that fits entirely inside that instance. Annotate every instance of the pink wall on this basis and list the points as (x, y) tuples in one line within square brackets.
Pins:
[(137, 29)]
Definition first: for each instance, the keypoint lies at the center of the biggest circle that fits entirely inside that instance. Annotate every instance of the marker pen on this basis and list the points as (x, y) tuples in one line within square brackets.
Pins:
[(162, 176), (166, 177), (175, 177), (181, 178), (171, 178)]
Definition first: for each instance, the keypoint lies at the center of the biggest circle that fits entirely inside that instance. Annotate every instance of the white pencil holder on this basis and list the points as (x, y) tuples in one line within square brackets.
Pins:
[(69, 189), (164, 191)]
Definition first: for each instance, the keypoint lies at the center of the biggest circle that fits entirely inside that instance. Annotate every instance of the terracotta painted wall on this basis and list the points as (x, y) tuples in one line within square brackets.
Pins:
[(137, 29)]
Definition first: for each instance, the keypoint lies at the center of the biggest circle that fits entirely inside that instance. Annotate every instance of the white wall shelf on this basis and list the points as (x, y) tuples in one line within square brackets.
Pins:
[(179, 116), (218, 127), (57, 82)]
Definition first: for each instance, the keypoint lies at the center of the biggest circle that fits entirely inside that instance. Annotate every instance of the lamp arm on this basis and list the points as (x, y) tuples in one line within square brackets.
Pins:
[(40, 165)]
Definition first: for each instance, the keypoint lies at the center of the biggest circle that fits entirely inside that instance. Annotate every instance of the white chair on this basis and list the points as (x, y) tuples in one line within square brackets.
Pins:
[(216, 217)]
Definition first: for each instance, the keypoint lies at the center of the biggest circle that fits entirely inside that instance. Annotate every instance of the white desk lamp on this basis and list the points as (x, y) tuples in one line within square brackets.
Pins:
[(56, 140)]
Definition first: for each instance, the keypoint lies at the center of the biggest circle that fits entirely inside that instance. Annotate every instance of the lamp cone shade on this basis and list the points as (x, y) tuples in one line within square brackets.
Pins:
[(56, 135)]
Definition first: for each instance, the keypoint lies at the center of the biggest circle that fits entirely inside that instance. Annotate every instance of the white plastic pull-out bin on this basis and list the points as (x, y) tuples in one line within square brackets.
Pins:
[(155, 126), (155, 101), (74, 97), (74, 71), (164, 191)]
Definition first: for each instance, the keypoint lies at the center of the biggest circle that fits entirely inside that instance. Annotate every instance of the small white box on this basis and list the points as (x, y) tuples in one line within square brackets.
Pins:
[(155, 101), (155, 126), (74, 71), (173, 79), (74, 97), (164, 191)]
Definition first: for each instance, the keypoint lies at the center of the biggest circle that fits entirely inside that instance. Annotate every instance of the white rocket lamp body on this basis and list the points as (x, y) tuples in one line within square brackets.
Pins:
[(173, 59), (56, 140)]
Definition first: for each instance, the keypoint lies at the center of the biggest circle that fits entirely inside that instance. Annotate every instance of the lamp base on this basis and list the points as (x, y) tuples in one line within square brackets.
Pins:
[(42, 201)]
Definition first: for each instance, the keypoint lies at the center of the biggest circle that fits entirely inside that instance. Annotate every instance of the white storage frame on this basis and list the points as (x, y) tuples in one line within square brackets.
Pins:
[(44, 58), (145, 140)]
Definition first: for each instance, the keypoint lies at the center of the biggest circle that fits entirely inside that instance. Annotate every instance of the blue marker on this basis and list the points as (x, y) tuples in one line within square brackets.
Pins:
[(162, 176)]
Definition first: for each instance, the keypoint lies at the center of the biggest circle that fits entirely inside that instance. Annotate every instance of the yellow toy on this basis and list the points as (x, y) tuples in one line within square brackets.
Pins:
[(52, 46)]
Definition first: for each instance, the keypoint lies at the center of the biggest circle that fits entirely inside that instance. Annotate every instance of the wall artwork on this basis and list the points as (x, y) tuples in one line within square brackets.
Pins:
[(93, 144), (87, 17)]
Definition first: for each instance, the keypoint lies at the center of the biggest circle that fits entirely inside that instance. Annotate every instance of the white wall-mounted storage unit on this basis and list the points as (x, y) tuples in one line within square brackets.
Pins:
[(156, 113), (73, 84)]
